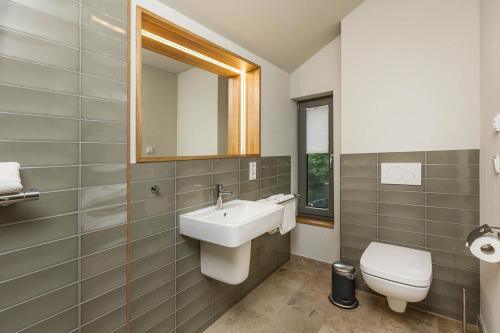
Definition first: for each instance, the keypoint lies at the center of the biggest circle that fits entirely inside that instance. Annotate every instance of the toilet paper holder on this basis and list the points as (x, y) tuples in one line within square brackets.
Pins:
[(480, 231)]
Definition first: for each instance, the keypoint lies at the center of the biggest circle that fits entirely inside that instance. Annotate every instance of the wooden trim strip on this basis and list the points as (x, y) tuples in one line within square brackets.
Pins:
[(315, 221)]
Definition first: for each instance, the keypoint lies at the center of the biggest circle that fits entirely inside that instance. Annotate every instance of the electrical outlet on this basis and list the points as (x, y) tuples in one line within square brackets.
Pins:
[(252, 170)]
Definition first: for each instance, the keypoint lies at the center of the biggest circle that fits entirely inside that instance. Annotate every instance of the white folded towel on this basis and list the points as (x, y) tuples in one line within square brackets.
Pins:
[(289, 214), (10, 180)]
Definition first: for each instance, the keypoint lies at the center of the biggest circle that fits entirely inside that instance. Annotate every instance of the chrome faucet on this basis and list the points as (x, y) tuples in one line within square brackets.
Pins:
[(220, 192)]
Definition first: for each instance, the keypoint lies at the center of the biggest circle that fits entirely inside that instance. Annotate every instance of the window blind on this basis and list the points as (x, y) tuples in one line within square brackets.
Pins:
[(317, 130)]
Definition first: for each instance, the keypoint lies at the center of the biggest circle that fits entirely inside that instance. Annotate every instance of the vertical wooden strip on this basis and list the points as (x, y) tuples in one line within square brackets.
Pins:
[(233, 116), (253, 112)]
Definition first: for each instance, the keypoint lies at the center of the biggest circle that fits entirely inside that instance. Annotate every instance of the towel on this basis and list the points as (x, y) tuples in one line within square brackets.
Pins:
[(10, 180), (289, 213)]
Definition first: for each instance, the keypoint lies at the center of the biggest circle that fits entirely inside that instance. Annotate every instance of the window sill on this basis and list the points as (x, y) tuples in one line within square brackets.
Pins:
[(315, 221)]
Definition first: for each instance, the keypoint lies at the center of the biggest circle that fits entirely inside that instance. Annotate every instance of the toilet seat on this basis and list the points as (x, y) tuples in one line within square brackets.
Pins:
[(397, 264)]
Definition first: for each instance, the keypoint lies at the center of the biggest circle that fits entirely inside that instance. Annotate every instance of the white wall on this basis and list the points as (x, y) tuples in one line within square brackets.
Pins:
[(321, 74), (490, 145), (410, 76), (197, 112), (279, 134), (159, 104)]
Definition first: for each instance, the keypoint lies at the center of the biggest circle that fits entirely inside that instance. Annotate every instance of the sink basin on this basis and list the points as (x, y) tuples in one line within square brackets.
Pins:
[(237, 223), (226, 236)]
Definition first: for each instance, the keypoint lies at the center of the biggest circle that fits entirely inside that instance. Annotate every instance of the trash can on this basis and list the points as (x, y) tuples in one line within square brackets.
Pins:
[(342, 294)]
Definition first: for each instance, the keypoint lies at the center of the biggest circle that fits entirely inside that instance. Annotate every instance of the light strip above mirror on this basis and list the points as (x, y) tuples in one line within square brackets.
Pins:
[(184, 49), (176, 46)]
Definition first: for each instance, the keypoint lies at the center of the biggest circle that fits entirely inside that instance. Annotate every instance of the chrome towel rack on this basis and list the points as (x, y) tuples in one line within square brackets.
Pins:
[(295, 196), (10, 199)]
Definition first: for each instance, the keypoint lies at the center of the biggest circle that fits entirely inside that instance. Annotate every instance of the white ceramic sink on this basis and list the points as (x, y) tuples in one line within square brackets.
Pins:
[(226, 236), (237, 223)]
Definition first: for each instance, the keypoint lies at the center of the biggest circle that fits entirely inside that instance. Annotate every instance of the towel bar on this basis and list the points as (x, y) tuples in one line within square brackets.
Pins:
[(10, 199), (295, 196)]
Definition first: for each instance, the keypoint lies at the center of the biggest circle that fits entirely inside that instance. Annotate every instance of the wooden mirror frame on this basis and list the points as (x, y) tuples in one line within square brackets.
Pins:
[(250, 92)]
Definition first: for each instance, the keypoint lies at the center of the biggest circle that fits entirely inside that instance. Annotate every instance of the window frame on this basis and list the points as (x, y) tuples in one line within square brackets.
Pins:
[(303, 209)]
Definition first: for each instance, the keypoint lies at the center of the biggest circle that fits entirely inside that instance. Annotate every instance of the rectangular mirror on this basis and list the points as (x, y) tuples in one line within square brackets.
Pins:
[(195, 100)]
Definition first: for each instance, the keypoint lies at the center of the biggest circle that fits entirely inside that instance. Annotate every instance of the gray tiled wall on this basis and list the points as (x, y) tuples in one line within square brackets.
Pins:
[(168, 290), (63, 115), (435, 216)]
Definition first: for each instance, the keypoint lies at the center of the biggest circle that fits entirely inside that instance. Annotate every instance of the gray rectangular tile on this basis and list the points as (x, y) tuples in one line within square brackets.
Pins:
[(366, 171), (453, 201), (358, 159), (102, 261), (358, 207), (456, 261), (187, 263), (459, 171), (284, 169), (60, 8), (245, 162), (249, 186), (456, 186), (284, 160), (107, 195), (195, 198), (453, 157), (193, 167), (151, 263), (99, 284), (359, 195), (99, 131), (245, 175), (193, 183), (151, 281), (405, 198), (25, 47), (269, 161), (66, 322), (36, 284), (103, 217), (447, 244), (102, 304), (104, 66), (358, 183), (31, 75), (104, 24), (26, 234), (268, 172), (226, 164), (102, 44), (407, 211), (359, 218), (402, 237), (115, 8), (98, 153), (93, 86), (149, 171), (449, 229), (150, 318), (22, 100), (39, 153), (152, 207), (359, 231), (94, 175), (142, 247), (98, 109), (30, 313), (50, 178), (453, 215), (103, 239), (143, 189), (38, 257), (403, 224), (268, 182), (108, 322), (226, 178), (38, 24), (152, 299), (151, 226), (403, 157)]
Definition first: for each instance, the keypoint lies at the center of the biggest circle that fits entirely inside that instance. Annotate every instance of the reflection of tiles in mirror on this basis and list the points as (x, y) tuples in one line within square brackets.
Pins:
[(294, 299)]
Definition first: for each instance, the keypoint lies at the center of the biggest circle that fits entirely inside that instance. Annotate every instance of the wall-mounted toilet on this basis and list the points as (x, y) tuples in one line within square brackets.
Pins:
[(399, 273)]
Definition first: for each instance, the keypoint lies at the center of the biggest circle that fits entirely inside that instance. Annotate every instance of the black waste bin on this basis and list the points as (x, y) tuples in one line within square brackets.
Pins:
[(342, 294)]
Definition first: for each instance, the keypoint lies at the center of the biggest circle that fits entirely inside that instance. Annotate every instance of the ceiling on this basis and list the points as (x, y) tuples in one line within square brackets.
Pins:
[(284, 32), (160, 61)]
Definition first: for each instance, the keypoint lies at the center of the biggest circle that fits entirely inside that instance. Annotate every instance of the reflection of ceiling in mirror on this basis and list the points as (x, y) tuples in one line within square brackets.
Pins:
[(160, 61)]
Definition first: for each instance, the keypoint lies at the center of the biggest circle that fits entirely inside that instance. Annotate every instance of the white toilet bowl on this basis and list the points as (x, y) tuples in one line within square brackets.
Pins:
[(399, 273)]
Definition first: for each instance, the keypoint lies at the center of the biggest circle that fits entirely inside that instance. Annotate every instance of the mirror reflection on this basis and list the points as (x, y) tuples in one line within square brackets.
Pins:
[(184, 109)]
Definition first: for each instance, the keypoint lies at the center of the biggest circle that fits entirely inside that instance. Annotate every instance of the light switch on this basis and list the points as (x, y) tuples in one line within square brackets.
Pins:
[(401, 173), (252, 171), (150, 150)]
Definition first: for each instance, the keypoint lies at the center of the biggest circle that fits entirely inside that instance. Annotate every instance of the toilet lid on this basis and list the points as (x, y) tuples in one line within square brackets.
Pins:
[(398, 264)]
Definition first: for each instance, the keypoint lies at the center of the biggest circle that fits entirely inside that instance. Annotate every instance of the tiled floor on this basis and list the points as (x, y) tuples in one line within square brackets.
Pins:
[(294, 299)]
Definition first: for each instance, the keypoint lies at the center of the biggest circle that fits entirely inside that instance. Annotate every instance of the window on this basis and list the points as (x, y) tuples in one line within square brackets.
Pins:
[(316, 157)]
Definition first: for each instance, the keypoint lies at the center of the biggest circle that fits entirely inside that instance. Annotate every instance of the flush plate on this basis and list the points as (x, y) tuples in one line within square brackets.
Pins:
[(401, 173)]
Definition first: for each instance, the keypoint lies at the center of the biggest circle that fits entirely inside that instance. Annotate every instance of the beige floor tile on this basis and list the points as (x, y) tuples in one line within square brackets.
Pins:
[(295, 300)]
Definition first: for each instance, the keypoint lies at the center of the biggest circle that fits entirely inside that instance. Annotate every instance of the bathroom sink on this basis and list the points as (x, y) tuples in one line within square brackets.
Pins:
[(238, 222)]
